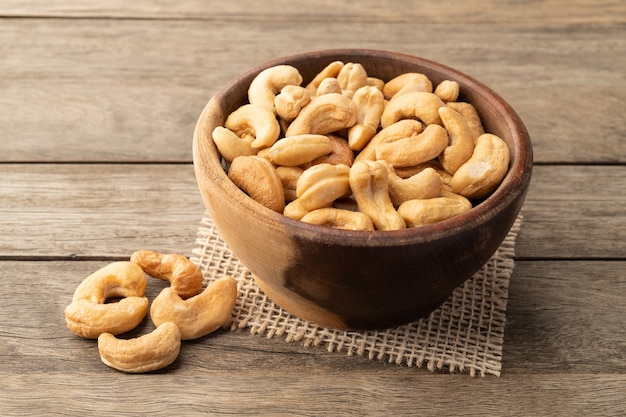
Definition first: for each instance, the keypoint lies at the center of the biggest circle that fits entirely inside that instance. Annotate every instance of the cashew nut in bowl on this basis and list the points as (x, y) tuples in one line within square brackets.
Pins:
[(198, 315), (324, 114), (420, 212), (290, 100), (447, 91), (184, 276), (146, 353), (414, 149), (322, 184), (268, 83), (340, 153), (351, 77), (339, 219), (407, 82), (299, 149), (230, 144), (461, 140), (369, 102), (418, 105), (471, 116), (117, 279), (330, 71), (257, 177), (328, 86), (255, 122), (289, 178), (396, 131), (425, 184)]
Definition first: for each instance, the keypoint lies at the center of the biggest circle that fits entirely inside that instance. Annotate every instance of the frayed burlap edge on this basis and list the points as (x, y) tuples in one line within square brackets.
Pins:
[(464, 335)]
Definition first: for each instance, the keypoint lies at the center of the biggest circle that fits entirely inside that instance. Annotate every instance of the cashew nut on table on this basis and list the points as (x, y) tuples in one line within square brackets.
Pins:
[(406, 151)]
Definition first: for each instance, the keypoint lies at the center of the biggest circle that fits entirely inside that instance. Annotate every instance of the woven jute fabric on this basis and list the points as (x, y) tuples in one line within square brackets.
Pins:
[(464, 335)]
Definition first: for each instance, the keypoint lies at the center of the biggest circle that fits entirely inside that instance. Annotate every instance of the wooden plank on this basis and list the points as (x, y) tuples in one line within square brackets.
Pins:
[(112, 210), (562, 356), (81, 90), (551, 11)]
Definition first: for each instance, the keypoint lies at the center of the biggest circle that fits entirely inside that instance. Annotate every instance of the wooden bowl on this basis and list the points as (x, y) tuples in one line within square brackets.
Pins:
[(361, 280)]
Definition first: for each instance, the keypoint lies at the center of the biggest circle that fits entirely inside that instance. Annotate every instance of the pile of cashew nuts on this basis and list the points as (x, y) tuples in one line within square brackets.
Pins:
[(355, 152), (182, 311)]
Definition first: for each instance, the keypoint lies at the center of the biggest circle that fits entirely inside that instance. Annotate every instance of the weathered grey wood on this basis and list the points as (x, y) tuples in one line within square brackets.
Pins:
[(562, 355), (481, 11), (131, 90), (112, 210)]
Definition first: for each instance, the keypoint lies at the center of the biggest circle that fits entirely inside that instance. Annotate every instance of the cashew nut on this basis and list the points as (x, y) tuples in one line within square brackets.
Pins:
[(339, 219), (399, 130), (351, 77), (327, 86), (198, 315), (230, 145), (376, 82), (330, 71), (407, 172), (269, 82), (461, 140), (484, 171), (369, 181), (421, 212), (426, 184), (468, 111), (418, 105), (290, 101), (90, 319), (150, 352), (299, 149), (369, 102), (322, 184), (257, 177), (409, 82), (184, 276), (414, 149), (255, 122), (447, 91), (324, 114), (117, 279), (340, 153), (289, 178)]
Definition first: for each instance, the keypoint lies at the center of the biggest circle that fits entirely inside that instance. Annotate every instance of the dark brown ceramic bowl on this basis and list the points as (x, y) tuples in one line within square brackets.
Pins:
[(361, 280)]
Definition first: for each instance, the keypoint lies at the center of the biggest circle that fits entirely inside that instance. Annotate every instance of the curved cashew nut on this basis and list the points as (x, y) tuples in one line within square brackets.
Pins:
[(328, 86), (117, 279), (421, 212), (324, 114), (418, 105), (299, 149), (407, 172), (407, 82), (230, 145), (484, 171), (369, 181), (339, 219), (369, 102), (150, 352), (469, 112), (351, 77), (426, 184), (330, 71), (269, 82), (401, 129), (322, 184), (198, 315), (257, 177), (184, 276), (289, 178), (89, 319), (415, 149), (461, 140), (256, 122), (340, 153), (290, 100), (376, 82), (447, 91)]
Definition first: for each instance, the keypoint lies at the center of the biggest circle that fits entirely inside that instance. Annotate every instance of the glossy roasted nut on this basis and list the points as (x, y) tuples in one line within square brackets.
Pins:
[(230, 145), (255, 123), (469, 112), (369, 181), (369, 102), (117, 279), (485, 170), (447, 91), (339, 219), (199, 315), (397, 131), (421, 212), (269, 82), (330, 71), (90, 319), (409, 82), (417, 105), (425, 184), (340, 153), (324, 114), (184, 276), (299, 149), (290, 100), (257, 177), (415, 149), (320, 185), (461, 143), (150, 352), (351, 77), (289, 178)]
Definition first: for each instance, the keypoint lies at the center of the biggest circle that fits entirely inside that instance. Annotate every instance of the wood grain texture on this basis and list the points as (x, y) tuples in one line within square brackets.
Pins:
[(131, 90)]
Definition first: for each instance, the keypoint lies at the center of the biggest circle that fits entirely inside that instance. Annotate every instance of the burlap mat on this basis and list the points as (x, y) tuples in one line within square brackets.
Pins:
[(464, 335)]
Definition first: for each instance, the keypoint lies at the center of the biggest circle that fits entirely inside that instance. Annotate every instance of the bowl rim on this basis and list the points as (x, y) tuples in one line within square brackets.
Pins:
[(512, 185)]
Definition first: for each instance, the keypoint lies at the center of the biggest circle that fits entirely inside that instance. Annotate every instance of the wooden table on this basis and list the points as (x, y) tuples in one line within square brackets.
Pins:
[(98, 102)]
